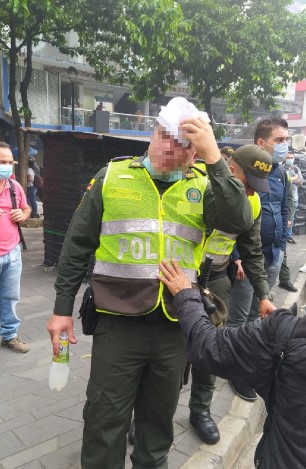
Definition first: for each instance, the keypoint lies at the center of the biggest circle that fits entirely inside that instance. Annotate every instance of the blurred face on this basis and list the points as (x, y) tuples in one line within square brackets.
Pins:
[(166, 154), (277, 135)]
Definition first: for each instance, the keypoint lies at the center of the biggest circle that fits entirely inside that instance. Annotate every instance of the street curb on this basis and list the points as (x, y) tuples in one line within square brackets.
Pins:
[(237, 430)]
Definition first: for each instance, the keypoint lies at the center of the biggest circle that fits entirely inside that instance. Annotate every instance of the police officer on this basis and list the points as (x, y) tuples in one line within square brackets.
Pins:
[(137, 212), (251, 165)]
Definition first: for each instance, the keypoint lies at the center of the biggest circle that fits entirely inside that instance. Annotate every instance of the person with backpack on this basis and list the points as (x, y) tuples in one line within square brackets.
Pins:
[(269, 355), (13, 210)]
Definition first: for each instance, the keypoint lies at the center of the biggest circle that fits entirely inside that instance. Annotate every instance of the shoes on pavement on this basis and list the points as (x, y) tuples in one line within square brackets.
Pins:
[(131, 433), (16, 344), (287, 286), (291, 241), (244, 391), (205, 426), (303, 269), (35, 215)]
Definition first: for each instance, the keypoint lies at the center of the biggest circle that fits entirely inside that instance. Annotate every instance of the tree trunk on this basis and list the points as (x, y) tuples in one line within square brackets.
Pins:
[(13, 52), (24, 138)]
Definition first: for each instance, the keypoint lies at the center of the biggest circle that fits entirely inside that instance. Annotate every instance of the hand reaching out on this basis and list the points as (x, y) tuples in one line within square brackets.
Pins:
[(173, 277)]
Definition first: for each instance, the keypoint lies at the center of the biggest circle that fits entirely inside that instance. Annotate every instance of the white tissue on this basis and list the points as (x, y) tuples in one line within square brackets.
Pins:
[(177, 110)]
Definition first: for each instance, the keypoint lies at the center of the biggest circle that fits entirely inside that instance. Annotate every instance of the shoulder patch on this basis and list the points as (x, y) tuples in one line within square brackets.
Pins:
[(91, 184)]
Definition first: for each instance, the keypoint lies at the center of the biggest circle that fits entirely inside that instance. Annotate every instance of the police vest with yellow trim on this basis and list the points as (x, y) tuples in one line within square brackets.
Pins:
[(140, 228), (219, 245)]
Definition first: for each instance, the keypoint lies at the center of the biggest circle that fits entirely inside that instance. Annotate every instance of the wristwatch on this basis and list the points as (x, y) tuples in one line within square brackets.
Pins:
[(267, 296)]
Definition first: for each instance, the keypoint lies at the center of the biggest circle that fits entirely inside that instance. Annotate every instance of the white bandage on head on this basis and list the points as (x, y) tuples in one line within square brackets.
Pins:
[(175, 112)]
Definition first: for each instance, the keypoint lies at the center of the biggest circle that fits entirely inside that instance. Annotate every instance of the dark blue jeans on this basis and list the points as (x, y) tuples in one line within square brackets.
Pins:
[(31, 196), (10, 271)]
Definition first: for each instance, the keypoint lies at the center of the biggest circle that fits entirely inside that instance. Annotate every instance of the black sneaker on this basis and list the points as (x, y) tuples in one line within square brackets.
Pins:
[(243, 391), (205, 426), (291, 241), (287, 286)]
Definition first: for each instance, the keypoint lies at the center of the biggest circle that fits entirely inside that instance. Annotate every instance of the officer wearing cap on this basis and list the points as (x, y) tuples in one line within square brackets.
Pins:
[(226, 152), (137, 212), (271, 134), (251, 165)]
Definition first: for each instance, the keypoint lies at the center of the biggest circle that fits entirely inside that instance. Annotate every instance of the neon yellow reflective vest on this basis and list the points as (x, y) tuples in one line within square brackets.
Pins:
[(140, 228), (219, 245)]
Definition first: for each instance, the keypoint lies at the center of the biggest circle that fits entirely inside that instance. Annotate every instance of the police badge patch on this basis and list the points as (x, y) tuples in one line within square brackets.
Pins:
[(194, 195)]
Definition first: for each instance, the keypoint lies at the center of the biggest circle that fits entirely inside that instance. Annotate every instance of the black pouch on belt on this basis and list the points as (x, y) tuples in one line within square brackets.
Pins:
[(214, 306), (88, 313)]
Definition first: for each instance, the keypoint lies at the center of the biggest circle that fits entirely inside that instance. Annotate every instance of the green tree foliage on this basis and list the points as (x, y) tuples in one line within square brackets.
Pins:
[(124, 40), (133, 40), (242, 50), (22, 24)]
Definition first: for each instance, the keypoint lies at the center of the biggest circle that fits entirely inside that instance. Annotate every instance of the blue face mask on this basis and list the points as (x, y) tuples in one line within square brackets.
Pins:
[(6, 171), (289, 162), (280, 151), (170, 177)]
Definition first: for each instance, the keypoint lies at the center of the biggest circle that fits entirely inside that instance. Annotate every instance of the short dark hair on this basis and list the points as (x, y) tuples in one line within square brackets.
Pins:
[(4, 145), (265, 127)]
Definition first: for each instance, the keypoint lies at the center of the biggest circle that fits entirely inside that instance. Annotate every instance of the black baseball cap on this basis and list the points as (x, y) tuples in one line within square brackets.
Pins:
[(228, 151), (256, 164)]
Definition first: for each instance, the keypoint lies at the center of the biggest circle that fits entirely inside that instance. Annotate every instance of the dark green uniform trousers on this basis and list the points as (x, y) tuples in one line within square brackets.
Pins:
[(203, 382), (284, 273), (135, 364)]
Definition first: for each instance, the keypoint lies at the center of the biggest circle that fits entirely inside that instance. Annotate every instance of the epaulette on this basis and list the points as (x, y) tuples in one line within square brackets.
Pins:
[(190, 174), (137, 162), (196, 168), (121, 158)]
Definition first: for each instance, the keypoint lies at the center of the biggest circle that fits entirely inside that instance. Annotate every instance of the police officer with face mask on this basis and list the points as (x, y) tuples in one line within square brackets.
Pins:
[(272, 135)]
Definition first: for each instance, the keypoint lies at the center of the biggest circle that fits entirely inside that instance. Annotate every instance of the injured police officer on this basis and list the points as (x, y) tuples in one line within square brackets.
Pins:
[(138, 211)]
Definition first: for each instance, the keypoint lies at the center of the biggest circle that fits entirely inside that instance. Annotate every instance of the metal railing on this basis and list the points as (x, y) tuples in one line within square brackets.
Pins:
[(85, 118), (120, 121)]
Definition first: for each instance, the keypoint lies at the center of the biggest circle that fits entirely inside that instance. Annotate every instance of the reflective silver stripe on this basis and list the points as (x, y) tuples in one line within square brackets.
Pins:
[(226, 235), (152, 226), (129, 226), (185, 232), (143, 271)]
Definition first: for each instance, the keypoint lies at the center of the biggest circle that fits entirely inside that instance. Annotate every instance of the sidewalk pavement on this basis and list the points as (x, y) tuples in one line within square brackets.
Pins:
[(42, 429)]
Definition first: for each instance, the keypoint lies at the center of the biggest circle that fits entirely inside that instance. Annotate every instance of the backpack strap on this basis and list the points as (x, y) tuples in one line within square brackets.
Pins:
[(14, 206)]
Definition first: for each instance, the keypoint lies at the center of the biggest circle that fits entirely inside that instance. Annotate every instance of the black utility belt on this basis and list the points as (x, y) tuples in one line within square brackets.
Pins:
[(156, 317), (214, 275)]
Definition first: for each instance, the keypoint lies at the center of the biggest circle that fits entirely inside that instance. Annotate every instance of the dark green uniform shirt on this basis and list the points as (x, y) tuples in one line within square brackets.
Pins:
[(226, 207)]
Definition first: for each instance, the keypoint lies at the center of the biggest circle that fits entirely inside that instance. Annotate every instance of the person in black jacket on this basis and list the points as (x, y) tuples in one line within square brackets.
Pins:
[(270, 355)]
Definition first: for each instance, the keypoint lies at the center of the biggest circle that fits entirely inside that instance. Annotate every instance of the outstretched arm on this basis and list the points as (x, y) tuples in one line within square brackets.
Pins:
[(226, 351)]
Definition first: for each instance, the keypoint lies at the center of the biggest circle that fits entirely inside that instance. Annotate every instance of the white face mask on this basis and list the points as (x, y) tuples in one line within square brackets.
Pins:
[(6, 170), (280, 151)]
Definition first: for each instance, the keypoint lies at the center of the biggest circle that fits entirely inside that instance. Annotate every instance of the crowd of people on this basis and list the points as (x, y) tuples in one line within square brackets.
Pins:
[(154, 223)]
